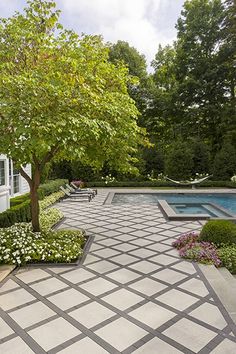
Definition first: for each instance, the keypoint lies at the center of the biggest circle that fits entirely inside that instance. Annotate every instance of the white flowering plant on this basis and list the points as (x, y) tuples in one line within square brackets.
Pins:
[(108, 179), (199, 176), (159, 177), (20, 245), (233, 179), (48, 218), (51, 199)]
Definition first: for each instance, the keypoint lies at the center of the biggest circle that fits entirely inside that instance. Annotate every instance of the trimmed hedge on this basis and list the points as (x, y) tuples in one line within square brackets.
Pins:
[(206, 184), (20, 206), (19, 200), (50, 187), (220, 232), (17, 213)]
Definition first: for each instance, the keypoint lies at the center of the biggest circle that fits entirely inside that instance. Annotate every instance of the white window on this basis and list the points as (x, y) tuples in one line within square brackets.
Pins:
[(2, 173), (14, 179)]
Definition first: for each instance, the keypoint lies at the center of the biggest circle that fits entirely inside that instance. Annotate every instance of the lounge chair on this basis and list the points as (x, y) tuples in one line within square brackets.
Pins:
[(80, 191), (83, 189), (76, 196)]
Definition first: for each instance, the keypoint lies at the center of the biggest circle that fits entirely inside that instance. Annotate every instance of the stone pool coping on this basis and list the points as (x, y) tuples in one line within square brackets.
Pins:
[(169, 212)]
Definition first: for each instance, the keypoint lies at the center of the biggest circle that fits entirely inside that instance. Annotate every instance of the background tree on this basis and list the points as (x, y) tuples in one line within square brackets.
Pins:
[(200, 67), (60, 97), (162, 111), (122, 52), (201, 157), (179, 161), (224, 166)]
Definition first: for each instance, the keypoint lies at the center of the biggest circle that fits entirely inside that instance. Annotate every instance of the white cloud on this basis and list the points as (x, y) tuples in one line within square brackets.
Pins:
[(143, 23)]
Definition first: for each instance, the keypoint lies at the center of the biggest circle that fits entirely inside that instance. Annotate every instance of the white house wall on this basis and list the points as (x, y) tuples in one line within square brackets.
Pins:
[(5, 190), (24, 185)]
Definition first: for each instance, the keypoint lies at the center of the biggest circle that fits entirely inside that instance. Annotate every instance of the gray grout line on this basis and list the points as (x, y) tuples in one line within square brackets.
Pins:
[(21, 306), (64, 315), (117, 213), (6, 339), (217, 300), (37, 349), (153, 299), (127, 316)]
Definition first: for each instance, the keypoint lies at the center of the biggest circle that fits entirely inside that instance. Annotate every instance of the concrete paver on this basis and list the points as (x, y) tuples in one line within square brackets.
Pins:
[(132, 294)]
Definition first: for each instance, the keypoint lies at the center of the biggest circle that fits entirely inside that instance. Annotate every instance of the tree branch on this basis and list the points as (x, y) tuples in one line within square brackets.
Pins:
[(48, 156), (25, 175)]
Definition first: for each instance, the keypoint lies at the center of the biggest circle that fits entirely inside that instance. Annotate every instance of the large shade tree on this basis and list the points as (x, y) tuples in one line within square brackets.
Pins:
[(61, 98)]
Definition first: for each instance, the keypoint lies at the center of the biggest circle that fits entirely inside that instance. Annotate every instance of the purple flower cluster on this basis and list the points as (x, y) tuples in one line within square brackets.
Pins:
[(190, 247), (79, 183), (185, 239)]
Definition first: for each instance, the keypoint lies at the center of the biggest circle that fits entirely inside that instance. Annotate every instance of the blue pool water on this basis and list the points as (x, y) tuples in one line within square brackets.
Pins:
[(227, 201)]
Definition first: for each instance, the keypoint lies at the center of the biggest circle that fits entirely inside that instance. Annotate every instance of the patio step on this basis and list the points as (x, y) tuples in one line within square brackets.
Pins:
[(224, 284), (230, 278)]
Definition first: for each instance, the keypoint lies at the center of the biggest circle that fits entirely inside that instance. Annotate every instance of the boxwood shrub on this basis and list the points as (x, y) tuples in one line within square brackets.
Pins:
[(19, 200), (50, 187), (220, 232), (17, 213), (20, 206), (159, 184)]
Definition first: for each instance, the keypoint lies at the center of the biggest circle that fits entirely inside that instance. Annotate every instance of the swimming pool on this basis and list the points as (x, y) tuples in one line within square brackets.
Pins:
[(226, 200)]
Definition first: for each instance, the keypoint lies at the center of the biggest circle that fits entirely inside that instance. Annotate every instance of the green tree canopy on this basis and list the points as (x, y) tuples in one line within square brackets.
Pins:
[(60, 97), (139, 89)]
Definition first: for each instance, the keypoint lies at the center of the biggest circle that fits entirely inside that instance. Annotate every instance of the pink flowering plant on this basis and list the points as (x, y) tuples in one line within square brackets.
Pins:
[(78, 183), (190, 247), (185, 239)]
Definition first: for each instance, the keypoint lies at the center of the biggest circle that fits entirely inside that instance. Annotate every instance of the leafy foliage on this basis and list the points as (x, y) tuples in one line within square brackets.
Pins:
[(193, 93), (201, 157), (179, 163), (224, 165), (60, 97), (228, 257), (219, 232)]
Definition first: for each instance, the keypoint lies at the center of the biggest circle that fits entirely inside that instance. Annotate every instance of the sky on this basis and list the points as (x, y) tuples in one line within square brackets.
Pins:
[(143, 23)]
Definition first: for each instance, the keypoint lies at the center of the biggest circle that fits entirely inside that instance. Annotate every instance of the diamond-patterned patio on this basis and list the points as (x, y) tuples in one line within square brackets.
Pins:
[(132, 294)]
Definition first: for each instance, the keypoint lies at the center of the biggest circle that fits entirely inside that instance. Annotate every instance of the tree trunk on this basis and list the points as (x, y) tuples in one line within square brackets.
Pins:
[(35, 200)]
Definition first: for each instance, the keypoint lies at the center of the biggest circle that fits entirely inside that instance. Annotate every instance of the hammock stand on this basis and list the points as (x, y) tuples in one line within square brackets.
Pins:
[(189, 183)]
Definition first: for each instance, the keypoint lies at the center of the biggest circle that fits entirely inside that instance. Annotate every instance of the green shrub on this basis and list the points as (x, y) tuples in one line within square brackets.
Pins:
[(228, 258), (49, 218), (179, 161), (224, 166), (160, 184), (20, 245), (219, 232), (20, 206), (17, 213), (20, 199), (201, 157), (50, 187)]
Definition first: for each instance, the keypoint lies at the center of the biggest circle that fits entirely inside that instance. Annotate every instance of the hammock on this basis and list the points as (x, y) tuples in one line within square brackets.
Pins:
[(187, 183)]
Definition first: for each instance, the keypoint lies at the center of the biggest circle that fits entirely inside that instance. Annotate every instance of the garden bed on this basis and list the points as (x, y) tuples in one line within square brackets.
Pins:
[(19, 245), (215, 244), (85, 248)]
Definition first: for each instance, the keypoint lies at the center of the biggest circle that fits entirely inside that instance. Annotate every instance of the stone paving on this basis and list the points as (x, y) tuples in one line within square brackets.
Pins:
[(132, 294)]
